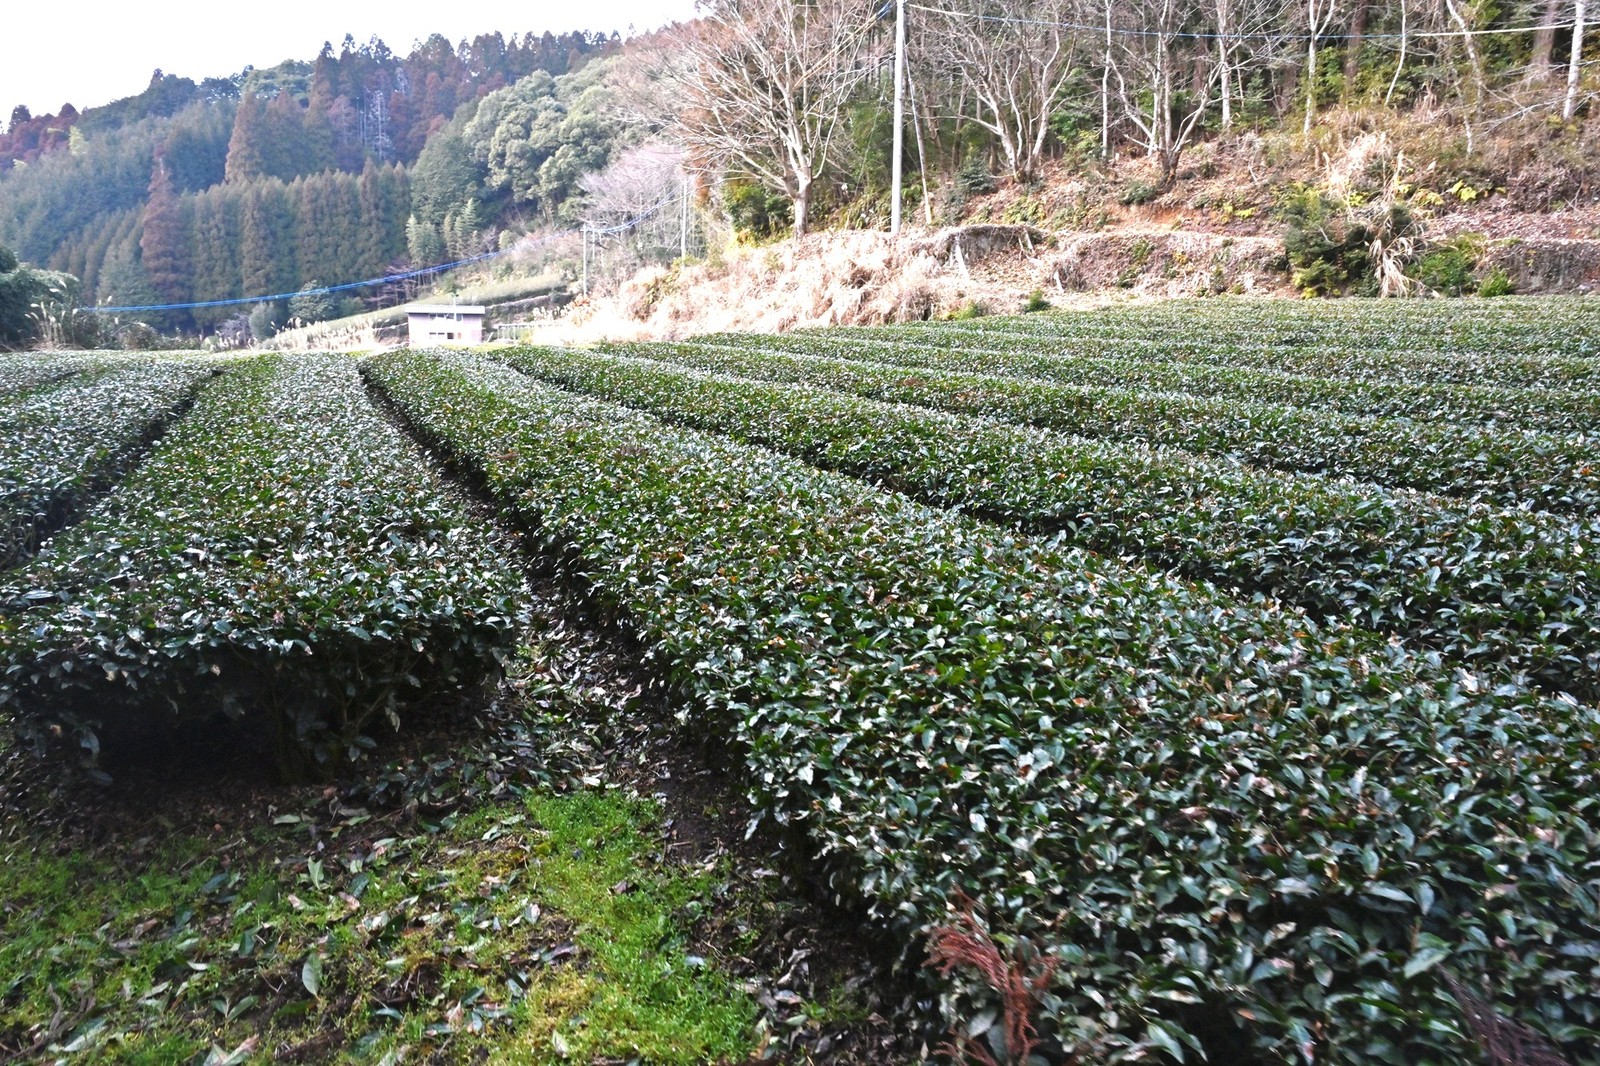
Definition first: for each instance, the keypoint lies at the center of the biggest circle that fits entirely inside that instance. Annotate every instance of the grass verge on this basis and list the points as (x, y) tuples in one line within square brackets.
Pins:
[(528, 879)]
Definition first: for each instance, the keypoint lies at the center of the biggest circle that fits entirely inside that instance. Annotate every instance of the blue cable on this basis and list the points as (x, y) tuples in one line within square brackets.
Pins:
[(321, 290)]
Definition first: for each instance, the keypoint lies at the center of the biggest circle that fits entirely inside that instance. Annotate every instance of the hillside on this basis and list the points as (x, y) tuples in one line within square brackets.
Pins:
[(1069, 241), (201, 198)]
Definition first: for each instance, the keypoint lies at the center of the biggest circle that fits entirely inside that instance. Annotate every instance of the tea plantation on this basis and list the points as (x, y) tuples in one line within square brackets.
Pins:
[(1208, 681)]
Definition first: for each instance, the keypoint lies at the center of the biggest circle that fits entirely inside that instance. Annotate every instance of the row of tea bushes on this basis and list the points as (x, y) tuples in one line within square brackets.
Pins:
[(23, 373), (1545, 410), (62, 446), (1230, 828), (1498, 353), (1501, 591), (1507, 468), (1501, 333), (282, 555)]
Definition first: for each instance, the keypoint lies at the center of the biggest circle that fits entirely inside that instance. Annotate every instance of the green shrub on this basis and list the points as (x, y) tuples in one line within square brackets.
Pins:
[(974, 177), (1329, 243), (756, 213), (1496, 283), (1447, 268), (1138, 192), (968, 311), (1035, 302), (1028, 211)]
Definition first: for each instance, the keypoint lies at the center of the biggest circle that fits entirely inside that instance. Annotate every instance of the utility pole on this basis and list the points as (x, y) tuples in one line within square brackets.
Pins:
[(899, 115)]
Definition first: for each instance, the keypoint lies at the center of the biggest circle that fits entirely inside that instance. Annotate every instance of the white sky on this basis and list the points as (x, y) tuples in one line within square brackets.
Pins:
[(95, 52)]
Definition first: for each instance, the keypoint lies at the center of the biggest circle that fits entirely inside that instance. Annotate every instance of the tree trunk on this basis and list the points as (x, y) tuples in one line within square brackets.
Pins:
[(1352, 50), (1474, 57), (922, 152), (1575, 65), (1224, 66), (1400, 63), (1541, 62), (1311, 83), (1105, 93), (801, 198)]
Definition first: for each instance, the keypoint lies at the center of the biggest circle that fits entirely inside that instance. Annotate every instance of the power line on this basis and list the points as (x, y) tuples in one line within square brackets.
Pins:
[(320, 290), (387, 279), (1102, 29)]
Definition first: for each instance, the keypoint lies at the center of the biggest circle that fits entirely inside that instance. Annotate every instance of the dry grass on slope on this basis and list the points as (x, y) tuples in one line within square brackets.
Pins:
[(866, 278)]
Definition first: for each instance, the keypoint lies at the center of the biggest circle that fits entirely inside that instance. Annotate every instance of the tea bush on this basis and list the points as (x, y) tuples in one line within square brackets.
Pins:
[(1234, 829), (284, 557), (60, 447), (1498, 590)]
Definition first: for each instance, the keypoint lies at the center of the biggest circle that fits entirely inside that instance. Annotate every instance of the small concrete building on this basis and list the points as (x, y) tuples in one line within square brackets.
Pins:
[(433, 324)]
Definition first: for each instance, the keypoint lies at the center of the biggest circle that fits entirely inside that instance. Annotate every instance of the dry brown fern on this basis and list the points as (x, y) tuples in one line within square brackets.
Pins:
[(1019, 978)]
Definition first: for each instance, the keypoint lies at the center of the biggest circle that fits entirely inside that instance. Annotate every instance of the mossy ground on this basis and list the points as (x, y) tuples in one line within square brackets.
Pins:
[(507, 886), (529, 930)]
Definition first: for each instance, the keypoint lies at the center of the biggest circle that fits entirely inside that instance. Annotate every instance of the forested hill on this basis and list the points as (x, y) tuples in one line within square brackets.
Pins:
[(278, 178)]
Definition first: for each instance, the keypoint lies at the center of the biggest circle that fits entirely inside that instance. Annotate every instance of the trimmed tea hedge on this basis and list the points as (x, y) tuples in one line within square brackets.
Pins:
[(284, 555), (1497, 590), (1546, 410), (1547, 344), (21, 374), (61, 447), (1502, 467), (1232, 829)]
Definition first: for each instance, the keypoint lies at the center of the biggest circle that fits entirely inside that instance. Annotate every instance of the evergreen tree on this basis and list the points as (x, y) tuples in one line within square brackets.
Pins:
[(462, 230), (265, 318), (164, 245), (329, 227), (123, 282), (290, 156), (267, 241), (196, 145), (344, 120), (216, 252), (382, 219), (314, 306), (345, 226), (424, 243), (247, 148), (445, 175), (316, 140)]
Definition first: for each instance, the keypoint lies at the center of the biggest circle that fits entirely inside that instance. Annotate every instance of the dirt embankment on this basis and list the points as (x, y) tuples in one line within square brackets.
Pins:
[(866, 278)]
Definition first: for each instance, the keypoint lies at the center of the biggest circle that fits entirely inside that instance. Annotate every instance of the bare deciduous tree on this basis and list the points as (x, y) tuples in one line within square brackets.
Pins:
[(1016, 57), (636, 208), (1169, 60), (760, 88), (1319, 16)]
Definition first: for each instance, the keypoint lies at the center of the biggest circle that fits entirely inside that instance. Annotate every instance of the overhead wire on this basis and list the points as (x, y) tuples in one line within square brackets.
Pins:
[(320, 290), (1101, 30)]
